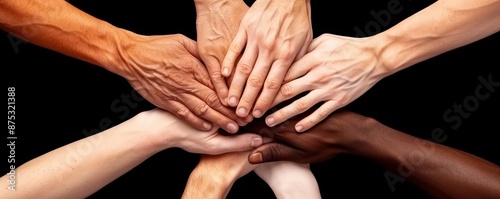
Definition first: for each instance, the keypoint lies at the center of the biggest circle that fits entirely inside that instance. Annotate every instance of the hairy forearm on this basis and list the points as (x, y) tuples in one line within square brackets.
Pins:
[(440, 171), (207, 184), (441, 27), (79, 169), (59, 26)]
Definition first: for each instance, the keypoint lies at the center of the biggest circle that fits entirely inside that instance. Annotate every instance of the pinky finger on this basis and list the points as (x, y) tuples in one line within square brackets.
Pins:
[(183, 113), (317, 116)]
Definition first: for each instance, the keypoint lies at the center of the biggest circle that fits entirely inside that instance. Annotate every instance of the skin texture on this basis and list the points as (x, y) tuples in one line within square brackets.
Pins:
[(440, 171), (217, 23), (79, 169), (337, 70), (214, 176), (164, 69), (271, 36)]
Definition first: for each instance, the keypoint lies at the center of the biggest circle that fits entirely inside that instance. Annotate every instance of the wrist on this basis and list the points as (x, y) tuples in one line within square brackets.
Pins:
[(118, 60), (153, 138)]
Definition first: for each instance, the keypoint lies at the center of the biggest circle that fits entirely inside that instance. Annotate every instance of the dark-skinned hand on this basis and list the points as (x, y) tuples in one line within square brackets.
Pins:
[(335, 135)]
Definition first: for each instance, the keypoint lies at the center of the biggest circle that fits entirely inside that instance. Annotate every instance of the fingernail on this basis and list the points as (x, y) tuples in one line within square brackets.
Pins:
[(232, 127), (255, 158), (257, 113), (256, 142), (207, 126), (242, 112), (225, 72), (299, 128), (233, 101), (270, 121)]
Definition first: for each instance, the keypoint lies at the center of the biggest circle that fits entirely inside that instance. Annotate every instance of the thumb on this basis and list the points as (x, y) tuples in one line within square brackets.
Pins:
[(235, 143), (273, 151)]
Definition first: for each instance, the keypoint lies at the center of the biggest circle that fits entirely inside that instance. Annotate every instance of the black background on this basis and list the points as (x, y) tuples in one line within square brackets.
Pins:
[(57, 97)]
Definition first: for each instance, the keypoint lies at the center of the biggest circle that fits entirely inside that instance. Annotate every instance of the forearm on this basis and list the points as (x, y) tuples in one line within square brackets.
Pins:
[(440, 171), (79, 169), (289, 180), (441, 27), (207, 184), (59, 26)]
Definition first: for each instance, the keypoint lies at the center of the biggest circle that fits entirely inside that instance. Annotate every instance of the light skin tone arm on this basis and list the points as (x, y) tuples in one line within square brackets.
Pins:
[(79, 169), (337, 70), (165, 70), (440, 171), (214, 176), (271, 36)]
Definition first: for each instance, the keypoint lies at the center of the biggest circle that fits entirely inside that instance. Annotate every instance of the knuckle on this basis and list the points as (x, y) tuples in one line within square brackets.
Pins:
[(182, 113), (286, 90), (268, 43), (216, 75), (212, 100), (281, 115), (244, 69), (286, 54), (200, 109), (255, 82), (272, 84), (301, 105)]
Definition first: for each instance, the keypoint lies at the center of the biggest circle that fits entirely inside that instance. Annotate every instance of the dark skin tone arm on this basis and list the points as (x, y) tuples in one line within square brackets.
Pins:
[(440, 171)]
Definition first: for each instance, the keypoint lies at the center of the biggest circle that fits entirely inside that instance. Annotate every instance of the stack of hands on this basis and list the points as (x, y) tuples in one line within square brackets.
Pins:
[(212, 95)]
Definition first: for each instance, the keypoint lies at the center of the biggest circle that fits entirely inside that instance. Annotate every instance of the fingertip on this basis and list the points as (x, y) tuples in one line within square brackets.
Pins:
[(299, 128), (207, 126), (255, 158), (225, 72), (232, 128)]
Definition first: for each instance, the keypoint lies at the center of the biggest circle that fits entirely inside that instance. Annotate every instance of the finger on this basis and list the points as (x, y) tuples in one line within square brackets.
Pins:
[(241, 74), (183, 113), (317, 116), (190, 46), (273, 151), (234, 51), (254, 85), (233, 143), (218, 80), (292, 89), (206, 105), (298, 106), (300, 68), (270, 88)]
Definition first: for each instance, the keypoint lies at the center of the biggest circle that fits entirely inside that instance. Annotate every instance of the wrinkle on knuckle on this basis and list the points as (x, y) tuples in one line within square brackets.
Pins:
[(201, 109), (287, 90), (272, 84), (255, 82), (182, 113), (244, 69), (212, 100), (301, 105)]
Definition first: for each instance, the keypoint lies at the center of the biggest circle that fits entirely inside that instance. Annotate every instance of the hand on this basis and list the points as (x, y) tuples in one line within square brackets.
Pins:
[(217, 22), (167, 72), (272, 34), (167, 131), (336, 70), (339, 133)]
